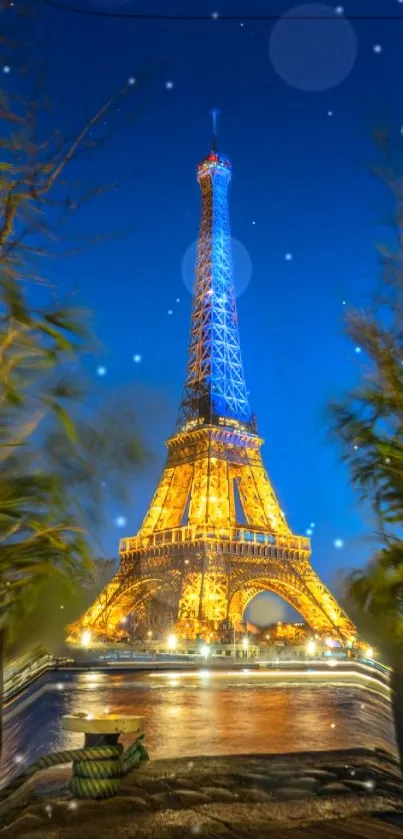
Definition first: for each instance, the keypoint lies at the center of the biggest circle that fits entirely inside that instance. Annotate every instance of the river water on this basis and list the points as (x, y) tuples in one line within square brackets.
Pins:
[(205, 712)]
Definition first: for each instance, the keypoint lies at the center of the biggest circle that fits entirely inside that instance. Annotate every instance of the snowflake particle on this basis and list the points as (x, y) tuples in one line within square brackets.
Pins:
[(72, 805)]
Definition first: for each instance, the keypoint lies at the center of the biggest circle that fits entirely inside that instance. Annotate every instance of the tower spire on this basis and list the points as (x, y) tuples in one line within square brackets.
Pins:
[(214, 114), (215, 390)]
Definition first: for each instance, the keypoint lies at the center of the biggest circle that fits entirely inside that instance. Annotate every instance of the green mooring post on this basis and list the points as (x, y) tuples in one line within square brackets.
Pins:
[(102, 764)]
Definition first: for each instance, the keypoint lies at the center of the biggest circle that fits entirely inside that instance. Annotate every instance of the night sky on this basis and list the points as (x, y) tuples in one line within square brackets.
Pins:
[(298, 102)]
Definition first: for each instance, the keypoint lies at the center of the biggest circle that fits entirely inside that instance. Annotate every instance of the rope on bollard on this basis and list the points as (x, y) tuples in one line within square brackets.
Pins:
[(97, 770)]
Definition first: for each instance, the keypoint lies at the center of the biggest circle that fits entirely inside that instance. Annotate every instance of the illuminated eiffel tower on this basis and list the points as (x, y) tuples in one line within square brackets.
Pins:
[(192, 543)]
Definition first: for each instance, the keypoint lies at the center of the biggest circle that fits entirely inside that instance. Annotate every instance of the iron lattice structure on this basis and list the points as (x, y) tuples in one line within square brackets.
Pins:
[(214, 535)]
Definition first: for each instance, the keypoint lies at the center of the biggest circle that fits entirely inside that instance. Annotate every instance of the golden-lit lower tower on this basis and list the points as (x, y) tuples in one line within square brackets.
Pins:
[(214, 535)]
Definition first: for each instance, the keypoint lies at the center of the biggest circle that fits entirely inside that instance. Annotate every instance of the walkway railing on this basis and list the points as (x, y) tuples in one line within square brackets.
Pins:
[(243, 535)]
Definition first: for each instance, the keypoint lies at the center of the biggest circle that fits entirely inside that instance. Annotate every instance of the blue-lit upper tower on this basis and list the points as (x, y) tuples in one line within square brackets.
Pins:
[(215, 385)]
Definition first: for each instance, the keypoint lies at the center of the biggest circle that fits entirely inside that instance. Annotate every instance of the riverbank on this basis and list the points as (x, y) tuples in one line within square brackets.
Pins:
[(356, 792)]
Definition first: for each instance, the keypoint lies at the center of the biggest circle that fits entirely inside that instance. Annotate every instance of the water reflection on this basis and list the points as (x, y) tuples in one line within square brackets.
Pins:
[(204, 712)]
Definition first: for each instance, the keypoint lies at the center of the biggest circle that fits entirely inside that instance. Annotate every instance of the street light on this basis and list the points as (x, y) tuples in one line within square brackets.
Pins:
[(171, 642), (369, 652), (311, 647), (205, 650), (86, 638)]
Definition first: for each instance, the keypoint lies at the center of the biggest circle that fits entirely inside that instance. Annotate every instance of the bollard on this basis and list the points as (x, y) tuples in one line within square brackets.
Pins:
[(98, 768)]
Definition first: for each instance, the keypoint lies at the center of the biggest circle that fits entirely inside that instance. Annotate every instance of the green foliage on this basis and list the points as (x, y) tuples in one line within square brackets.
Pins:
[(369, 425), (57, 443)]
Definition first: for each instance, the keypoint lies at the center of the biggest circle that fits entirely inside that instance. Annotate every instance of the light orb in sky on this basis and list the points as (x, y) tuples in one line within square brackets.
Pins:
[(288, 257), (338, 544), (120, 521), (101, 371), (312, 48), (131, 80), (241, 260), (169, 85), (137, 358), (6, 68)]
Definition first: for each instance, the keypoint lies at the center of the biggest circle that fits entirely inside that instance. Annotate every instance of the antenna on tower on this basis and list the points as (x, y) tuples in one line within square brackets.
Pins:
[(214, 114)]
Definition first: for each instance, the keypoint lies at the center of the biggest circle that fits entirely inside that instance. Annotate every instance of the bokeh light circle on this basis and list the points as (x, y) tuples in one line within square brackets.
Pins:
[(312, 47), (241, 261)]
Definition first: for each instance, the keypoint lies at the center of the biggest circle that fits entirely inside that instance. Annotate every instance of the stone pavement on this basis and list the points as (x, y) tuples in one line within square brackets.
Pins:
[(336, 794)]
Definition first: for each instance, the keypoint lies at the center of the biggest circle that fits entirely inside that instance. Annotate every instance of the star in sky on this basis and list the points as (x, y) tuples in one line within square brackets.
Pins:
[(131, 80), (6, 68), (215, 15), (338, 543), (288, 257), (178, 300), (120, 521), (169, 85), (377, 48), (137, 358), (330, 113), (339, 10), (357, 350), (101, 371), (170, 312)]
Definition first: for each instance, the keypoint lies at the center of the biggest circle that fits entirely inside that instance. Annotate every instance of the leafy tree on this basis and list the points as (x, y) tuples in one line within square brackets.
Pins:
[(57, 442), (369, 425)]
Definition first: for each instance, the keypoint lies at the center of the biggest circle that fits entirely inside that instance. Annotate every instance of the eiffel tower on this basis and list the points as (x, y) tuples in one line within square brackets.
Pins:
[(214, 535)]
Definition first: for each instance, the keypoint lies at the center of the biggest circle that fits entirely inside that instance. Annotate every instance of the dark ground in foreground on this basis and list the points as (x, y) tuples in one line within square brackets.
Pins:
[(334, 795)]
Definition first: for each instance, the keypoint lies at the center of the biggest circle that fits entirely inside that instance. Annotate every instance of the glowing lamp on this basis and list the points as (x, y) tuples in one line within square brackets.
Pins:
[(171, 642), (329, 642), (245, 643), (205, 650), (369, 652), (86, 638), (311, 647)]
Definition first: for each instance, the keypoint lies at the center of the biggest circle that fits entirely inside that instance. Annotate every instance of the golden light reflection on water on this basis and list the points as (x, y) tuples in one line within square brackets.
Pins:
[(207, 712)]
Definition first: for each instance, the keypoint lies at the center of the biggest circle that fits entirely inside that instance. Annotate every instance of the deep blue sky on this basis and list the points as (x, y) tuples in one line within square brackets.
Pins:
[(301, 185)]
